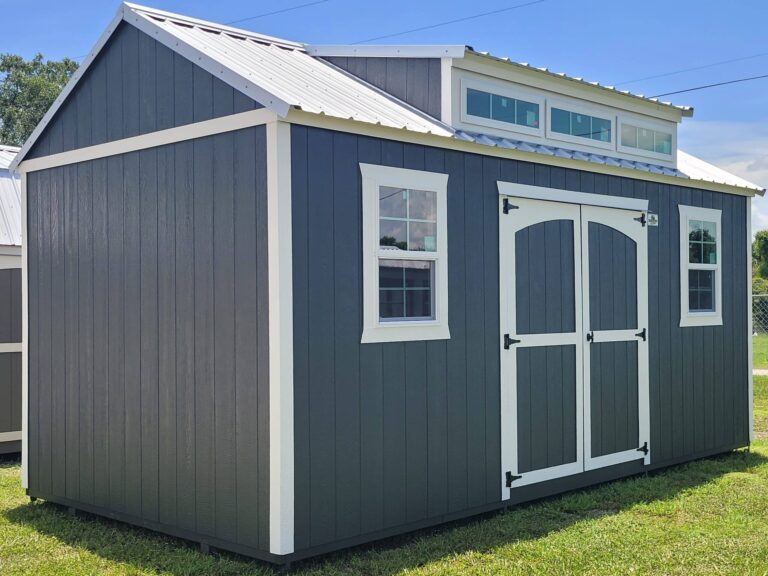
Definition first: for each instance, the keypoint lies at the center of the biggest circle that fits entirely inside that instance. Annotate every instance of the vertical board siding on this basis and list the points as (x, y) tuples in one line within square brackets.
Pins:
[(412, 80), (10, 362), (612, 279), (389, 434), (148, 349), (133, 87)]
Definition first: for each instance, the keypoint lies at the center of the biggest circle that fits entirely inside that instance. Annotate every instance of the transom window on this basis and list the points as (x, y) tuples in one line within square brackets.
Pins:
[(404, 254), (700, 266), (502, 108), (580, 125), (646, 139)]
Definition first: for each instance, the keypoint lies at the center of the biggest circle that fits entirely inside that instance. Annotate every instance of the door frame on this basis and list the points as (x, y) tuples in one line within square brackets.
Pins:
[(507, 293)]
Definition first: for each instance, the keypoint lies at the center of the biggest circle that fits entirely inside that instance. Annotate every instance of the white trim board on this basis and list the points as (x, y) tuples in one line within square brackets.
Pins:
[(24, 339), (8, 262), (387, 50), (567, 196), (153, 139), (10, 436), (280, 282), (8, 347), (750, 383)]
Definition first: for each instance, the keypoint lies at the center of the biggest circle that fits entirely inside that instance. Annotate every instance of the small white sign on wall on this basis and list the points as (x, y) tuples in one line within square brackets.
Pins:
[(652, 219)]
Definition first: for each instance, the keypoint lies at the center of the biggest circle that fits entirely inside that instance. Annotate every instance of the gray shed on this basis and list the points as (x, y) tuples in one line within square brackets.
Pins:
[(10, 305), (308, 297)]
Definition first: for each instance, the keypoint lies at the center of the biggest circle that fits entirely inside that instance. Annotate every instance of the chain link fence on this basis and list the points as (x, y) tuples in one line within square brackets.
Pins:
[(760, 313)]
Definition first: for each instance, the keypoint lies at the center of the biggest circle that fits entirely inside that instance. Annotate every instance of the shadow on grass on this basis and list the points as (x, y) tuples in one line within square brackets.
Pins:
[(146, 550)]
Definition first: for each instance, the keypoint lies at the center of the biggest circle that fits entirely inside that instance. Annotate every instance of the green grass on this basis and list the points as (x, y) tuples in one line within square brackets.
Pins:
[(760, 351), (705, 517)]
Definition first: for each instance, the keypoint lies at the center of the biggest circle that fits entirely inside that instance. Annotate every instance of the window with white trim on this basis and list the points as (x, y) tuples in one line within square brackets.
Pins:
[(700, 267), (405, 254), (649, 139)]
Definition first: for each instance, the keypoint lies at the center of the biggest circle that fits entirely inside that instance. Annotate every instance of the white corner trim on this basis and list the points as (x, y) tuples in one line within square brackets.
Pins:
[(153, 139), (750, 383), (387, 50), (24, 339), (446, 91), (688, 319), (11, 436), (374, 330), (280, 264), (567, 196)]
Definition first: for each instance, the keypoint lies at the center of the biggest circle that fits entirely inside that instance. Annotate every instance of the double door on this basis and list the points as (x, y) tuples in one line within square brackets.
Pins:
[(574, 342)]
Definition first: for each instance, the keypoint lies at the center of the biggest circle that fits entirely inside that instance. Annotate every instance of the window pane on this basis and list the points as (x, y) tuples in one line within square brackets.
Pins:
[(422, 205), (391, 304), (694, 230), (527, 114), (701, 290), (561, 121), (581, 125), (392, 202), (628, 136), (694, 253), (645, 139), (709, 231), (423, 236), (478, 103), (663, 143), (393, 233), (406, 289), (503, 108), (601, 129), (705, 301), (709, 252)]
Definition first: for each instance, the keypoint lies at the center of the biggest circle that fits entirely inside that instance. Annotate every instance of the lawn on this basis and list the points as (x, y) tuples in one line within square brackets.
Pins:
[(760, 351), (705, 517)]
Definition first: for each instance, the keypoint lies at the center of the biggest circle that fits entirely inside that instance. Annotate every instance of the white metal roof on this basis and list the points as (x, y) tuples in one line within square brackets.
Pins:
[(10, 200), (281, 75)]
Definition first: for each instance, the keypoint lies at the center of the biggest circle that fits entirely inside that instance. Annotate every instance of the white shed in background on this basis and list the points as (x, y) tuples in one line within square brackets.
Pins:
[(10, 305)]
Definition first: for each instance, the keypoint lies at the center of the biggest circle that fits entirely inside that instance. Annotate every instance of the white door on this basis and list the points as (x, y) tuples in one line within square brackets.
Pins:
[(574, 378)]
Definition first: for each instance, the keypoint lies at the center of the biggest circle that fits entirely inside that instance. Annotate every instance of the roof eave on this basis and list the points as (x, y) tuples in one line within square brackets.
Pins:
[(387, 50)]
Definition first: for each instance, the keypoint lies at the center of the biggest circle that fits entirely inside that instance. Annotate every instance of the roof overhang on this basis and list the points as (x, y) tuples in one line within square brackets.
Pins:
[(387, 51)]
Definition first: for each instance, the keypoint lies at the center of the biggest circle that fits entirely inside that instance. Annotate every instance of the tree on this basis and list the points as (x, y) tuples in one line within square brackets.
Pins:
[(760, 254), (27, 90)]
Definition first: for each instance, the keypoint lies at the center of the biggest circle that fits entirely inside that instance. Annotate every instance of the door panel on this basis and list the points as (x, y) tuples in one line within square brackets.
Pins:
[(613, 382), (614, 255), (546, 407), (545, 278)]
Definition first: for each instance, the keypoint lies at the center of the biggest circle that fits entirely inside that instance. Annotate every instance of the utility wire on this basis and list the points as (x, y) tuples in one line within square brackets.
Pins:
[(446, 23), (711, 85), (702, 67), (281, 11)]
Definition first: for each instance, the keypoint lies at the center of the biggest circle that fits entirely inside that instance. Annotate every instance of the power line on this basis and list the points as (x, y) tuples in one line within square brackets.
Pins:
[(692, 68), (446, 23), (281, 11), (711, 85)]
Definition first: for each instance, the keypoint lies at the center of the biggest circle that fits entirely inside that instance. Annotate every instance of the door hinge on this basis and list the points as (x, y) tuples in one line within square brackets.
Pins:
[(509, 206), (641, 219), (590, 337), (511, 478), (644, 448), (509, 341), (642, 334)]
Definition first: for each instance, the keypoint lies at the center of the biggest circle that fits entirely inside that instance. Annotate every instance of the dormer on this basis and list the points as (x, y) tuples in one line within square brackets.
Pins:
[(477, 93)]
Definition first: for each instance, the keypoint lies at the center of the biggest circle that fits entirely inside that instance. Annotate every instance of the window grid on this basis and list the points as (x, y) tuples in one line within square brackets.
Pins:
[(595, 133), (407, 219), (531, 110), (701, 286)]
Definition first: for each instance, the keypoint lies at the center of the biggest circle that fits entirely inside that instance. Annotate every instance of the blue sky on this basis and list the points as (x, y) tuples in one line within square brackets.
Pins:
[(611, 41)]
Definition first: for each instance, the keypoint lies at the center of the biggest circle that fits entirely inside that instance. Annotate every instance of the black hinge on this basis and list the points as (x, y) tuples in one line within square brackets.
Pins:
[(511, 478), (509, 206), (641, 219), (509, 341), (642, 334), (590, 337), (644, 448)]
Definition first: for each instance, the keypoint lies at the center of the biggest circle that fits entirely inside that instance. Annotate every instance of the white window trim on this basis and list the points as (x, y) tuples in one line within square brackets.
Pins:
[(657, 127), (374, 330), (687, 318), (587, 111), (507, 92)]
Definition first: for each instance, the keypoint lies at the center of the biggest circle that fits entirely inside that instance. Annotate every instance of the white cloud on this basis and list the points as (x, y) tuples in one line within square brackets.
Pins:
[(738, 147)]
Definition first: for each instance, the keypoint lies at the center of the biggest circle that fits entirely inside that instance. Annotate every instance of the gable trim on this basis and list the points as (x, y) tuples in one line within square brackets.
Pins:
[(152, 140)]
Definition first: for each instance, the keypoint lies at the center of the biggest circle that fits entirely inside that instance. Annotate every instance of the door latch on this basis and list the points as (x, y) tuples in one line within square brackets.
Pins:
[(642, 334), (508, 342), (590, 337)]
